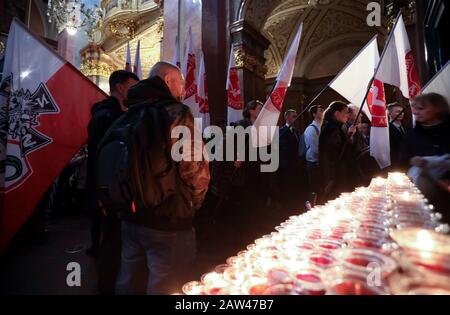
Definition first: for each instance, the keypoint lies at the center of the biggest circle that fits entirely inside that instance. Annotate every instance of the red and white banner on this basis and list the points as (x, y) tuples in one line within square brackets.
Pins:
[(269, 115), (128, 60), (137, 67), (234, 99), (202, 97), (361, 69), (45, 107), (398, 67), (380, 148), (189, 72)]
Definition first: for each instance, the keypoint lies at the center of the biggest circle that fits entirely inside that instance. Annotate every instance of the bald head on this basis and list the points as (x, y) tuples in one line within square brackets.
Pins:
[(172, 76)]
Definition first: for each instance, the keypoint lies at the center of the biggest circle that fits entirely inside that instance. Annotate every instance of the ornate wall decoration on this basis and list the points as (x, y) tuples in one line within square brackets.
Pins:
[(257, 11), (334, 23), (247, 59), (408, 8), (280, 29), (97, 68), (123, 28), (272, 63)]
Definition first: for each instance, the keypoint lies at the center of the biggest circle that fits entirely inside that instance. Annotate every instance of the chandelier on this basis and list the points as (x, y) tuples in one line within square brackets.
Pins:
[(73, 15)]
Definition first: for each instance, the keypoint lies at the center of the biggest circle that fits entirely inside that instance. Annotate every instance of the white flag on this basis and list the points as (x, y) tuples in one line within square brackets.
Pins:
[(202, 98), (398, 67), (189, 72), (352, 83), (440, 83), (128, 59), (353, 80), (137, 68), (234, 100), (269, 115)]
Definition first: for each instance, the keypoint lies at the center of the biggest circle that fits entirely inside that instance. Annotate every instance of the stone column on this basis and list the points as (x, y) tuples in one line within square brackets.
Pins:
[(250, 45), (215, 45)]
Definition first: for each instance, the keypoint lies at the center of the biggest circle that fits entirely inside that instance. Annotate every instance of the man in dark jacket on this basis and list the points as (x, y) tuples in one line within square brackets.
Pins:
[(162, 238), (104, 114), (289, 173), (397, 131)]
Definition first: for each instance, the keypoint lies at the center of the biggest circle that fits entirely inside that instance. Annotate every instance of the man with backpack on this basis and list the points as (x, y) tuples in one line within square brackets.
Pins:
[(311, 142), (105, 232), (154, 196)]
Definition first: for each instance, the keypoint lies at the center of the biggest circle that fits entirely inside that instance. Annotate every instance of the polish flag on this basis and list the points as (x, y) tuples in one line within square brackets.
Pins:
[(189, 72), (137, 67), (176, 60), (128, 60), (235, 104), (398, 67), (202, 97), (45, 106), (361, 69), (269, 115)]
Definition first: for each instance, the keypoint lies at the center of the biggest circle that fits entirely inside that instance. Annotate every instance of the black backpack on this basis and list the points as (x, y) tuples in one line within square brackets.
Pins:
[(135, 173)]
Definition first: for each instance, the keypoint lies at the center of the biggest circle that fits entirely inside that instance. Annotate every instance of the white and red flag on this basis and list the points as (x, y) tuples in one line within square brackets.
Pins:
[(269, 115), (189, 72), (397, 66), (361, 69), (202, 96), (45, 107), (137, 67), (234, 99), (128, 59)]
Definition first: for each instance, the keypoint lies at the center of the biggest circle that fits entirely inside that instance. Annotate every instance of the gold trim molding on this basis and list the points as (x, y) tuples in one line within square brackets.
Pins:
[(97, 68), (248, 60)]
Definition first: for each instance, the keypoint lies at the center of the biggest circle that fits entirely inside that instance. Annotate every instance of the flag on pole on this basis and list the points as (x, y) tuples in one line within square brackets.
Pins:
[(137, 68), (235, 104), (177, 60), (202, 97), (397, 66), (270, 113), (128, 60), (360, 69), (440, 83), (45, 107), (189, 72)]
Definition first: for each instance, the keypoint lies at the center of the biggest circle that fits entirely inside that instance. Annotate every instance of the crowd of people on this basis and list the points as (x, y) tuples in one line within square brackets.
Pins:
[(175, 212)]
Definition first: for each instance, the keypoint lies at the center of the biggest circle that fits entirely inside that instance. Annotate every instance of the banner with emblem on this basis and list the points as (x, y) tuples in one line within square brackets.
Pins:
[(398, 67), (270, 113), (190, 74), (44, 111), (234, 100)]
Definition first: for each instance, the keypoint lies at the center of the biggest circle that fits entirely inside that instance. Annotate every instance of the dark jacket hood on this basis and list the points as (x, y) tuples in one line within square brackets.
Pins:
[(149, 90), (111, 104)]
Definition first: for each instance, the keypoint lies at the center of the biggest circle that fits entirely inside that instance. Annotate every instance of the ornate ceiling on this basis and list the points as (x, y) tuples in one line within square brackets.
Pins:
[(334, 31)]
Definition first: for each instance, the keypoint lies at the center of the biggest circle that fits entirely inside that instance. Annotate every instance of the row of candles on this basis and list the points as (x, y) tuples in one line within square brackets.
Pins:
[(342, 247)]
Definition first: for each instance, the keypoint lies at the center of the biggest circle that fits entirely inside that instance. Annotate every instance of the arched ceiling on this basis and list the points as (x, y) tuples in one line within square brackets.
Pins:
[(334, 31)]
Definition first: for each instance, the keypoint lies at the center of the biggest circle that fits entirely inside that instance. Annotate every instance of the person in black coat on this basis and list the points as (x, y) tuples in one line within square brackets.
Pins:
[(104, 114), (335, 152), (431, 135), (289, 175), (397, 131)]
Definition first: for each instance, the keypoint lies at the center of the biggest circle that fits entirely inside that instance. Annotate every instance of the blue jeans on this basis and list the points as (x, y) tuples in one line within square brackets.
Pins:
[(167, 255)]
